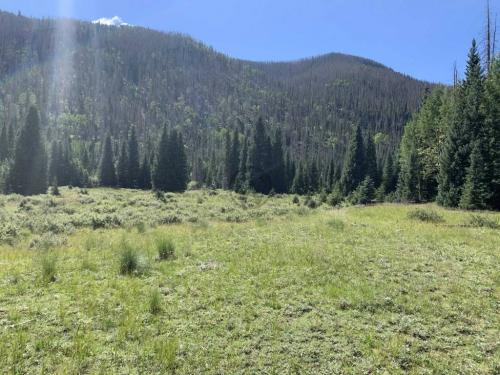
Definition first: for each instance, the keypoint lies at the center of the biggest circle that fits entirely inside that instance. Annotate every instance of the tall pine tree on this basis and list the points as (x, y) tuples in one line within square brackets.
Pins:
[(28, 173), (354, 167), (107, 173), (134, 167)]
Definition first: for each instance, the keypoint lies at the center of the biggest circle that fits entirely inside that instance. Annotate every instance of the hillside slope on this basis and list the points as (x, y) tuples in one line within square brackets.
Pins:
[(90, 79)]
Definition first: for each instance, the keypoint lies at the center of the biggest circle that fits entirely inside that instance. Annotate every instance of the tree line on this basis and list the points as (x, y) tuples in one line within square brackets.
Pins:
[(450, 151)]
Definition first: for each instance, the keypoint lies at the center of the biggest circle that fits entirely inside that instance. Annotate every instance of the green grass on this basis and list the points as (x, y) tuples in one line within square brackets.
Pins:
[(256, 286)]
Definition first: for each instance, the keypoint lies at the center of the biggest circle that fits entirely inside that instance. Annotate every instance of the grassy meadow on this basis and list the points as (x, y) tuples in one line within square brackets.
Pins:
[(126, 282)]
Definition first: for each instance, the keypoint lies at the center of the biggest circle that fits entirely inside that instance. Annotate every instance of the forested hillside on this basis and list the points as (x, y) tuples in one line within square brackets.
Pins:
[(89, 80)]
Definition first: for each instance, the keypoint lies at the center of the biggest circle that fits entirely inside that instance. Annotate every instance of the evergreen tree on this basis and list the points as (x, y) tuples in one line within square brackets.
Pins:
[(476, 192), (28, 173), (231, 160), (409, 182), (179, 163), (389, 176), (107, 174), (122, 170), (54, 162), (4, 144), (491, 109), (259, 157), (370, 157), (354, 167), (278, 173), (300, 184), (144, 181), (228, 163), (134, 168), (466, 122), (241, 184), (313, 178), (162, 176)]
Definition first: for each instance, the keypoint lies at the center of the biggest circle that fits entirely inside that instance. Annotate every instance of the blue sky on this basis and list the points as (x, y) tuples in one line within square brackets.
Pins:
[(421, 38)]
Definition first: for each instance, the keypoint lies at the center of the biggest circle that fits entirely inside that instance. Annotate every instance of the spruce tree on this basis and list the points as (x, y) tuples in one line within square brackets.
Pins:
[(122, 171), (161, 176), (477, 193), (259, 158), (107, 174), (278, 165), (179, 163), (134, 168), (491, 109), (409, 182), (466, 121), (370, 157), (226, 183), (4, 144), (389, 176), (144, 181), (354, 166), (241, 184), (28, 173)]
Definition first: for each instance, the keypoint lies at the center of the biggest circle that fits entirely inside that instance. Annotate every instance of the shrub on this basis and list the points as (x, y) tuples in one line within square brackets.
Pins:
[(155, 302), (335, 198), (130, 262), (425, 215), (296, 200), (55, 190), (170, 219), (49, 267), (311, 203), (165, 248), (478, 221), (141, 227)]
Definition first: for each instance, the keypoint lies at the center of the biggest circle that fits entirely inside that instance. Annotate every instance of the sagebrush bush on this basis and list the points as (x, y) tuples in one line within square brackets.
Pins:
[(479, 221), (425, 215), (165, 248)]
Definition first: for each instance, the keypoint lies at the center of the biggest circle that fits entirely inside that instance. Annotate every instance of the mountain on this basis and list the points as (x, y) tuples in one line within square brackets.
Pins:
[(89, 79)]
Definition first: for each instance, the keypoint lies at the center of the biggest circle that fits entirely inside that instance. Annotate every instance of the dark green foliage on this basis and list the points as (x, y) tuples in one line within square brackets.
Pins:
[(232, 160), (364, 193), (134, 168), (278, 172), (478, 221), (477, 189), (466, 122), (171, 170), (409, 178), (336, 197), (300, 183), (389, 176), (241, 183), (165, 248), (425, 215), (354, 166), (259, 159), (4, 144), (162, 172), (144, 181), (107, 174), (28, 173), (491, 109), (370, 160), (122, 171)]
